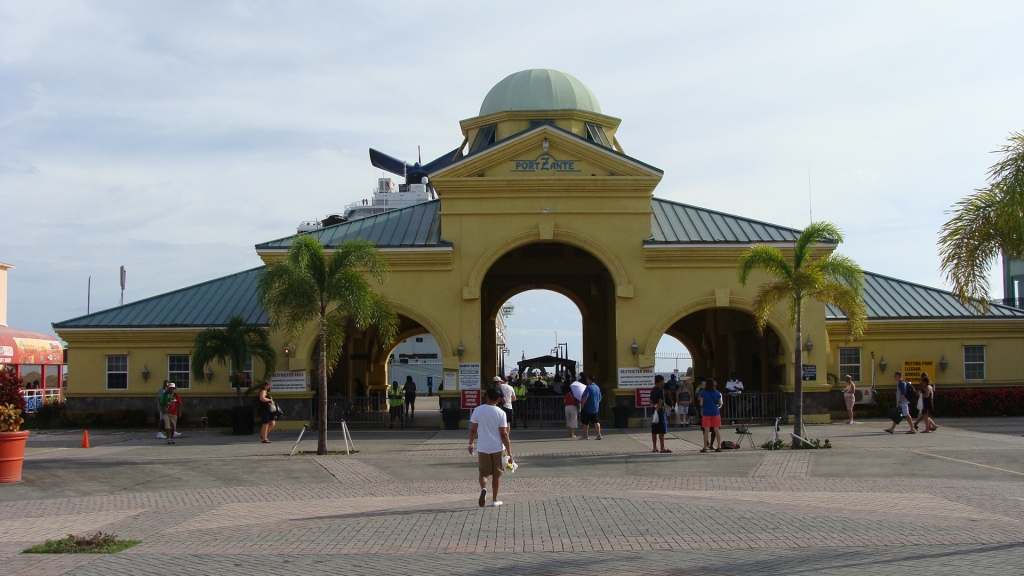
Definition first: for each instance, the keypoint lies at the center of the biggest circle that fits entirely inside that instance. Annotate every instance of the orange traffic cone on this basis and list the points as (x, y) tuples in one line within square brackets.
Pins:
[(85, 439)]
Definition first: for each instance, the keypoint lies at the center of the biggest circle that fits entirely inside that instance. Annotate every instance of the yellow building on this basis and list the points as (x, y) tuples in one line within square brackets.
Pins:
[(542, 195)]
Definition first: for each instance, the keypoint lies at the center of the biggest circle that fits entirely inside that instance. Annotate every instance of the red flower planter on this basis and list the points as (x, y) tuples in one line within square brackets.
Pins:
[(12, 454)]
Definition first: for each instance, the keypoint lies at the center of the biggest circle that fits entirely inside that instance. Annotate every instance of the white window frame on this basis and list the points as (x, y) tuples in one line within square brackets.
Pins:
[(187, 383), (843, 372), (109, 371), (967, 363)]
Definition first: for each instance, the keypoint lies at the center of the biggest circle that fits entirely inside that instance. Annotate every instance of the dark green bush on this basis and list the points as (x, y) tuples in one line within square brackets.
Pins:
[(51, 410), (219, 417), (81, 418), (10, 389)]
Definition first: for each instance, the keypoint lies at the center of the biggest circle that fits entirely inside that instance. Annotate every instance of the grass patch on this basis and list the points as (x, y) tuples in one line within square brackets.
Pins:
[(98, 543)]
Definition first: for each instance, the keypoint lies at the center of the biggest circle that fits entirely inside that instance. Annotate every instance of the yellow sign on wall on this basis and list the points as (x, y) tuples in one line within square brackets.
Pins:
[(912, 370)]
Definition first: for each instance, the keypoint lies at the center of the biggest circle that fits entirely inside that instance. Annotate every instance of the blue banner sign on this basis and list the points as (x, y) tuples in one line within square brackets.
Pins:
[(545, 162)]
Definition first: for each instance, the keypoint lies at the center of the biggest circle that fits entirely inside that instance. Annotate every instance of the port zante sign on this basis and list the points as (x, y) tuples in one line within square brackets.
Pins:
[(545, 162), (636, 377)]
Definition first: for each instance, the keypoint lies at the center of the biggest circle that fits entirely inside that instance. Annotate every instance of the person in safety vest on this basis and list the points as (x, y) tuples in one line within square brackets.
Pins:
[(519, 409), (396, 397)]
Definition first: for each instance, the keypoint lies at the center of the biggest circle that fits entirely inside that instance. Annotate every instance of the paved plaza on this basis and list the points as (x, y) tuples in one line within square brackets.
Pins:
[(950, 502)]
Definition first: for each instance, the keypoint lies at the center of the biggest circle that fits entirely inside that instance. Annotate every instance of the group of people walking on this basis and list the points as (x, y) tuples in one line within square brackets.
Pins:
[(402, 401), (906, 395), (709, 401)]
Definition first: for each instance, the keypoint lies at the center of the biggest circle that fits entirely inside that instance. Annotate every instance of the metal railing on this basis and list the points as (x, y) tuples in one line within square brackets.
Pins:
[(542, 410), (34, 397), (754, 406), (353, 410)]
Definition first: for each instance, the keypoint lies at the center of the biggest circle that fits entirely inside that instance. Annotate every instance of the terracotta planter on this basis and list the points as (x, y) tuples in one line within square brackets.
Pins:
[(12, 454)]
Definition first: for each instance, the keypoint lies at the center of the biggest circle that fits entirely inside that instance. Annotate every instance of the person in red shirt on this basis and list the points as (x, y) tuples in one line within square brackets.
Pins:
[(170, 402)]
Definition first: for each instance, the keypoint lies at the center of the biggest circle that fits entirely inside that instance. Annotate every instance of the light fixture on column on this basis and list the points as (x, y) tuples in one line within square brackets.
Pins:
[(943, 364), (882, 364), (145, 373), (808, 345), (209, 373), (545, 145), (461, 349), (634, 347), (287, 350)]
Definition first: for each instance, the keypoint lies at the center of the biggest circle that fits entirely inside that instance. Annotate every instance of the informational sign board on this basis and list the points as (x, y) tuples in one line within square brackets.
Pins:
[(470, 399), (912, 370), (643, 398), (450, 381), (469, 376), (810, 372), (288, 382), (636, 377)]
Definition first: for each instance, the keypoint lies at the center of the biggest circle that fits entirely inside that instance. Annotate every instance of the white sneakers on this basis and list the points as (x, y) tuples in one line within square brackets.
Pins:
[(495, 504), (162, 436)]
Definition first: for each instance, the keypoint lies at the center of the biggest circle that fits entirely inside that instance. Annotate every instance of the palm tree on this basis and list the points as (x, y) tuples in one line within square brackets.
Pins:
[(833, 279), (233, 345), (309, 285), (984, 225)]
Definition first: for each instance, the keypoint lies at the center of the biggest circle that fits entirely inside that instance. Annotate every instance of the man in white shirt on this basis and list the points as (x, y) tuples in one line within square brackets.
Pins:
[(488, 427), (734, 386), (508, 395)]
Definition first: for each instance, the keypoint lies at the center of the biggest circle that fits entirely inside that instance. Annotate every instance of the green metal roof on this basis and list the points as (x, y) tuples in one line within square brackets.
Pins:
[(210, 303), (417, 226), (677, 223), (539, 89), (891, 299)]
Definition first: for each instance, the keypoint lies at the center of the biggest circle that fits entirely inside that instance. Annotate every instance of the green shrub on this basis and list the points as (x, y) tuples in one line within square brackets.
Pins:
[(219, 417), (52, 409), (98, 543), (81, 418)]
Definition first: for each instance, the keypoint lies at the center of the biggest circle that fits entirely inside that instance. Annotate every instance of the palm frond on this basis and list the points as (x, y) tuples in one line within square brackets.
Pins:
[(847, 299), (840, 267), (972, 239), (768, 296), (814, 233), (767, 258)]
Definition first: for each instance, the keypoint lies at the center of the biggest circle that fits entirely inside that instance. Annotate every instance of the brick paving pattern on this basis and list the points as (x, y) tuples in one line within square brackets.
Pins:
[(769, 515)]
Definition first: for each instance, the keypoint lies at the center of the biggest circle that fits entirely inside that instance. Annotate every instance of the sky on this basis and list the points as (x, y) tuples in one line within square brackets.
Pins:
[(171, 137)]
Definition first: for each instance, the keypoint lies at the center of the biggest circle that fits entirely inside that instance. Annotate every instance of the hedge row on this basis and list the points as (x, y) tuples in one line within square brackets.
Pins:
[(96, 419), (981, 402)]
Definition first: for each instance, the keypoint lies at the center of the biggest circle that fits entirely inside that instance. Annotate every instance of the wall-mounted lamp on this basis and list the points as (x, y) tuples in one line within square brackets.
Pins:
[(209, 374), (287, 350), (145, 373), (943, 364), (545, 145), (634, 347), (461, 349), (808, 345), (882, 364)]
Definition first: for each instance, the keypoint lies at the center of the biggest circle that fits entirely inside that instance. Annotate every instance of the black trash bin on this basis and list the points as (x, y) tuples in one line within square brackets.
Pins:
[(242, 421), (621, 415), (451, 417)]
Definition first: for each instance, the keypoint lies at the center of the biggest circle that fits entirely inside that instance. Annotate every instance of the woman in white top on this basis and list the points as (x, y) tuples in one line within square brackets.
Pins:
[(850, 395)]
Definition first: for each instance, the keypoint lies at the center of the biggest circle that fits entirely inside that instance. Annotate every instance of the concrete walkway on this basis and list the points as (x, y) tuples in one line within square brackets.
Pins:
[(951, 502)]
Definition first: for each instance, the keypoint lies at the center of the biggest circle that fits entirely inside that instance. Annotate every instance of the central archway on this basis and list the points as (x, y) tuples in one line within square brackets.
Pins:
[(568, 270)]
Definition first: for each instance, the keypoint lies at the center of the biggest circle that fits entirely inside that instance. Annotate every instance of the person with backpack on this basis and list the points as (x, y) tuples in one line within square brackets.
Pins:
[(170, 405), (904, 392)]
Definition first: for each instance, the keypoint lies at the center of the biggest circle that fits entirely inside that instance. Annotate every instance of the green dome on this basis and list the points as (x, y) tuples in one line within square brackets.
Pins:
[(539, 89)]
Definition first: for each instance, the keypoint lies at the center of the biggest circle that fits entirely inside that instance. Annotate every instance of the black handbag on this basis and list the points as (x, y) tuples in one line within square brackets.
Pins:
[(896, 415)]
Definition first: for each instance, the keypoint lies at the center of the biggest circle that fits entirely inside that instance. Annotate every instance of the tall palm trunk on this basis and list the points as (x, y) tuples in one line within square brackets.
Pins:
[(321, 444), (798, 380)]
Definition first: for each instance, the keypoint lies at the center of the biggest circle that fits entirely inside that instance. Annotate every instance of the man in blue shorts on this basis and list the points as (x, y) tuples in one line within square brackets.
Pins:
[(591, 404)]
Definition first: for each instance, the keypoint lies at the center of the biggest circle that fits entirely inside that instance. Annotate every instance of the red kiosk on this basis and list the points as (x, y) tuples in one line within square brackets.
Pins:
[(38, 359)]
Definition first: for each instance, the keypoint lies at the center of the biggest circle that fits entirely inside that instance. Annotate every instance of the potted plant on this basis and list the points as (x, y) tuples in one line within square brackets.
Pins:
[(12, 439), (12, 443)]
